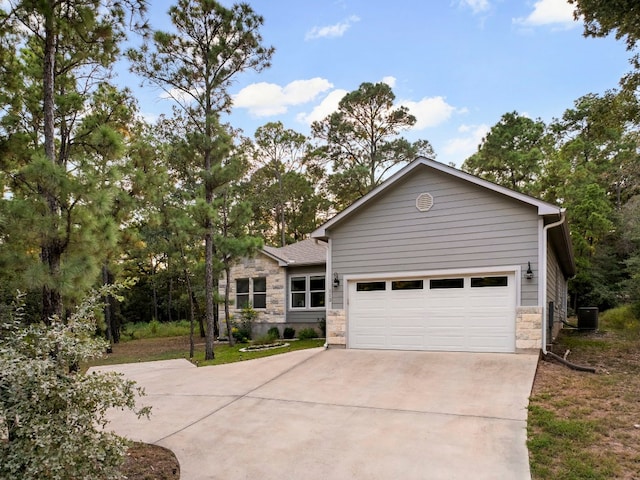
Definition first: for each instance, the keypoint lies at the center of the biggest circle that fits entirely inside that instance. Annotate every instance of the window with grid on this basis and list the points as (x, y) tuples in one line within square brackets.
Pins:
[(316, 291), (242, 293), (260, 292), (298, 292)]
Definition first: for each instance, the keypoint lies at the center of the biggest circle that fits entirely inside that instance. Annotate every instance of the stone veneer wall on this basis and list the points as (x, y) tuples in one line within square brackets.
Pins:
[(337, 328), (260, 266), (528, 328)]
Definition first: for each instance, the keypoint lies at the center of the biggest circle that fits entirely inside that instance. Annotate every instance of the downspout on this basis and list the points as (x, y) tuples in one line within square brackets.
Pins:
[(328, 286), (543, 276)]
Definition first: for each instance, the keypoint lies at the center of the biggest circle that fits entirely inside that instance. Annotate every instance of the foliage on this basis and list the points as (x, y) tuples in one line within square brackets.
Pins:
[(136, 331), (242, 330), (195, 64), (274, 333), (361, 141), (619, 318), (264, 340), (323, 326), (54, 416), (63, 130), (284, 188), (511, 154), (288, 333), (307, 333)]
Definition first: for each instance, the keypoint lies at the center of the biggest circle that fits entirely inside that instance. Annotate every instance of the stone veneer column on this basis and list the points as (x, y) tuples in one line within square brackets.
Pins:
[(337, 328), (528, 328)]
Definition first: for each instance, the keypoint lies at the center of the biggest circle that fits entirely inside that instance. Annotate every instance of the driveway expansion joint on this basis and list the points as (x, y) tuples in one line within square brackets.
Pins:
[(387, 409), (235, 398)]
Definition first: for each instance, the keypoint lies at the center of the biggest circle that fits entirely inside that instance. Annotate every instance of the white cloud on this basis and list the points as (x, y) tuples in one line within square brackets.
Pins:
[(549, 12), (467, 143), (477, 6), (389, 80), (328, 105), (266, 99), (429, 112), (332, 31)]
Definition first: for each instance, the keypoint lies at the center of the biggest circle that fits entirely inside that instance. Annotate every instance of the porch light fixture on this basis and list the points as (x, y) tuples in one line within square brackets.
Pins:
[(529, 274), (336, 280)]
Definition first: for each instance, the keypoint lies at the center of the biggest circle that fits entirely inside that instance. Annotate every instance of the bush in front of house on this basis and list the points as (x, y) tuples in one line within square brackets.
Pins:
[(307, 334), (289, 333), (274, 333), (323, 326), (241, 330)]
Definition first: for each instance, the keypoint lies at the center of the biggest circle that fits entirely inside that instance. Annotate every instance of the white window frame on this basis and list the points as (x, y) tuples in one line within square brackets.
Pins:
[(307, 291)]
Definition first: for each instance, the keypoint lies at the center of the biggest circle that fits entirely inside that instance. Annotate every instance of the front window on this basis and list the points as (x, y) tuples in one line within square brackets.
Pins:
[(298, 292), (316, 291), (260, 292), (242, 293), (307, 291)]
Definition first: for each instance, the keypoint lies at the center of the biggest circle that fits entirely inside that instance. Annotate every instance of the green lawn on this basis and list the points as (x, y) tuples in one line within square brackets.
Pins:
[(167, 348)]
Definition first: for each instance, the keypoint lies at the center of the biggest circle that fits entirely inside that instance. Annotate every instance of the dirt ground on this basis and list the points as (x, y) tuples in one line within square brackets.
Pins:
[(150, 462), (596, 417)]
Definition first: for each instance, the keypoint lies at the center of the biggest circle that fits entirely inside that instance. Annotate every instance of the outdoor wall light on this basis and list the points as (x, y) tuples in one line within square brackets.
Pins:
[(336, 280), (529, 274)]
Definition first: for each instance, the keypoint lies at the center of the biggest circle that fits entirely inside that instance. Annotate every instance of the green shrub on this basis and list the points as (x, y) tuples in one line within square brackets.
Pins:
[(274, 333), (264, 340), (154, 326), (53, 419), (619, 318), (242, 329), (307, 334), (323, 326), (288, 333)]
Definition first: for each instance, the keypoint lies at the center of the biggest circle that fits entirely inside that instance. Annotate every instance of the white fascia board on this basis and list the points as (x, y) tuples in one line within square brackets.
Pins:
[(281, 262)]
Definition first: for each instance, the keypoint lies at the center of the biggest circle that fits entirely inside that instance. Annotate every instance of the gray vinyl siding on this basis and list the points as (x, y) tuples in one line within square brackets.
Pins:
[(556, 286), (306, 315), (467, 227)]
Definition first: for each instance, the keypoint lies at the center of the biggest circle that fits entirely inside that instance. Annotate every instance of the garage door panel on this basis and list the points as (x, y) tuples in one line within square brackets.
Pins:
[(371, 340), (406, 342), (464, 313)]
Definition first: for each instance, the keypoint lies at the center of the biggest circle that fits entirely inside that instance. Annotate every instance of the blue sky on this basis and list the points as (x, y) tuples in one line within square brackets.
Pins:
[(458, 65)]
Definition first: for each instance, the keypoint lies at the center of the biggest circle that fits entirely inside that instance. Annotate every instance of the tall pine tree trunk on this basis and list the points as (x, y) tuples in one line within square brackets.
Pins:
[(51, 247), (208, 249), (187, 278), (108, 313), (227, 292)]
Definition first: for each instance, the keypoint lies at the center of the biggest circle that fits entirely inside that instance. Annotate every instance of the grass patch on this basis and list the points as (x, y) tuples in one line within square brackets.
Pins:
[(154, 329), (583, 425), (151, 349)]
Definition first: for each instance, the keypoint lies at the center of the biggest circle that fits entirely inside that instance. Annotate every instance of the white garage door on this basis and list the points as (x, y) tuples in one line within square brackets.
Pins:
[(473, 313)]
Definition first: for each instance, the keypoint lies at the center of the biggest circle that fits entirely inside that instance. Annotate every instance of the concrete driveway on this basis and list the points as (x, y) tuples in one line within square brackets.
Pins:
[(340, 414)]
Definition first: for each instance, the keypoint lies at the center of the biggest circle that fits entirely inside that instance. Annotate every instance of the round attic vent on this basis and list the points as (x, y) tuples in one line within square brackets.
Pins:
[(424, 202)]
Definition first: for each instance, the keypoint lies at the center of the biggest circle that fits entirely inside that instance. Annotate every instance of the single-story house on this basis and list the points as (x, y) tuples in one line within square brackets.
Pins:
[(437, 259), (286, 286)]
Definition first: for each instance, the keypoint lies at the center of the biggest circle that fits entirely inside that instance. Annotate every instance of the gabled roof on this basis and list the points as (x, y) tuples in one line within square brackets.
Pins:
[(545, 210), (305, 252)]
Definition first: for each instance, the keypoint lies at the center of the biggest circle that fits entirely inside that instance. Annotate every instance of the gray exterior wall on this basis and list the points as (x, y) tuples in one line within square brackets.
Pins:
[(467, 227), (556, 289)]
